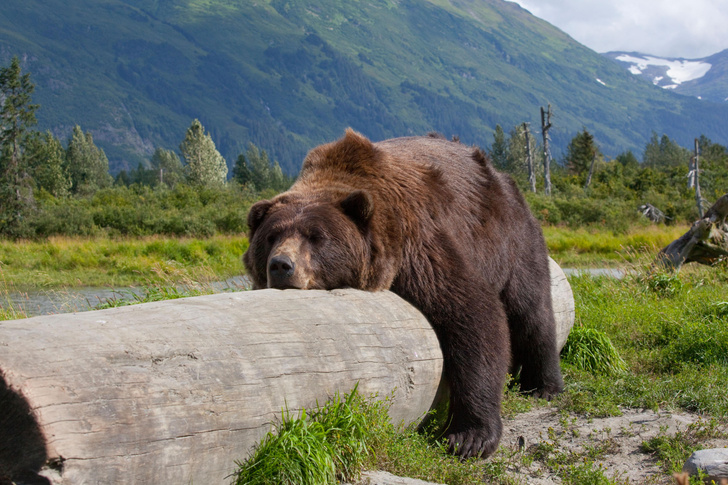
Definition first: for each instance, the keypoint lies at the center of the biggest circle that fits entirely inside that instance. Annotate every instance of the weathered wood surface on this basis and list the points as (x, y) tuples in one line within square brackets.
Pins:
[(176, 391), (706, 242), (562, 300)]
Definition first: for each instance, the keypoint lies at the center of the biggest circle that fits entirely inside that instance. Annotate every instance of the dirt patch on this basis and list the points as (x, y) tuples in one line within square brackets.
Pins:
[(613, 443)]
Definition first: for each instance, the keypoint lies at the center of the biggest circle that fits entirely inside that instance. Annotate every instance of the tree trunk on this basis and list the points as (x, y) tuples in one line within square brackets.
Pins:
[(545, 127), (591, 171), (706, 242), (177, 391), (529, 159), (696, 175)]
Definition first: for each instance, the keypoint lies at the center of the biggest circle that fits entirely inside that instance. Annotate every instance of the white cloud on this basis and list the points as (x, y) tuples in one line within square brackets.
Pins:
[(670, 28)]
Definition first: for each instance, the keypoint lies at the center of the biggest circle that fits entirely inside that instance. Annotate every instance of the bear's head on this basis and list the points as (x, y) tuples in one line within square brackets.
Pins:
[(309, 240)]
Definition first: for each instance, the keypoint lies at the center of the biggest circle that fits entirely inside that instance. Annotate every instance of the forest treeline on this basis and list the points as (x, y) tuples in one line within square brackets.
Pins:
[(48, 187)]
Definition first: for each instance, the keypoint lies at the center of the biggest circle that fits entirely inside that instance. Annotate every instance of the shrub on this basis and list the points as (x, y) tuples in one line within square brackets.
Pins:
[(591, 350)]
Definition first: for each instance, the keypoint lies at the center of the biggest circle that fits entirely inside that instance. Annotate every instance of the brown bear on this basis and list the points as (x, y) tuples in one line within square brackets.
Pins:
[(432, 221)]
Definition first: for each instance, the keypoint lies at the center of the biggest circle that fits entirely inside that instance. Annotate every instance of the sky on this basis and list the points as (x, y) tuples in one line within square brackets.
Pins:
[(691, 29)]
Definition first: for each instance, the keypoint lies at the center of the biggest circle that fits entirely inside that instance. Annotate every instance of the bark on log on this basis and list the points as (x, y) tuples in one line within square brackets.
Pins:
[(706, 242), (176, 391)]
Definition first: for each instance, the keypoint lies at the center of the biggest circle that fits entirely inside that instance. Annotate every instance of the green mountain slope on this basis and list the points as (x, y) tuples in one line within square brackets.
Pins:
[(287, 75)]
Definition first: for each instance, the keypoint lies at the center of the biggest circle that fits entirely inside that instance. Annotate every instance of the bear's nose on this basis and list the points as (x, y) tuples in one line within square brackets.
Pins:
[(280, 271)]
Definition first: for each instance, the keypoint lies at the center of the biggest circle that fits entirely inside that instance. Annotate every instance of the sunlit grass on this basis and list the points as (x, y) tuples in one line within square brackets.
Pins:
[(593, 247), (72, 262)]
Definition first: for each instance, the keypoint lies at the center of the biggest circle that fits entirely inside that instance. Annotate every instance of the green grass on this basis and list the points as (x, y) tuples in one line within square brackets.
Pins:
[(650, 340), (672, 450), (670, 330), (602, 248), (61, 262), (331, 443), (592, 351)]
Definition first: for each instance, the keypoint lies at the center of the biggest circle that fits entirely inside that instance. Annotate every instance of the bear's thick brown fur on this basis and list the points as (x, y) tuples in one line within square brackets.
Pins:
[(434, 222)]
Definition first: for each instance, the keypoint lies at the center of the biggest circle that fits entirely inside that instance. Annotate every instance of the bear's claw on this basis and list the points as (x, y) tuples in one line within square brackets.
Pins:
[(473, 443)]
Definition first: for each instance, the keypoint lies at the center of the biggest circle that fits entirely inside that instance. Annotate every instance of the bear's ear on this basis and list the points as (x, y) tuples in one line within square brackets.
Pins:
[(257, 214), (358, 207)]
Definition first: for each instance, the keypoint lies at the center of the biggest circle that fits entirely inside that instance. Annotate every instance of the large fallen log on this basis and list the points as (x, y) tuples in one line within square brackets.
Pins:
[(706, 242), (176, 391)]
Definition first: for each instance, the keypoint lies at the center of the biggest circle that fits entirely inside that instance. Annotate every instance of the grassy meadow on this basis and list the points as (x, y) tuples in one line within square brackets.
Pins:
[(650, 340), (62, 262), (65, 262)]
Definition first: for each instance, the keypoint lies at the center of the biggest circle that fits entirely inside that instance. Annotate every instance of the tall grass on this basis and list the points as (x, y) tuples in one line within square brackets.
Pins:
[(315, 449), (599, 247), (68, 262)]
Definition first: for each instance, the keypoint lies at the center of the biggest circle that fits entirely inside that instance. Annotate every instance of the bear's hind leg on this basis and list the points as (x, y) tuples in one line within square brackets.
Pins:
[(533, 338)]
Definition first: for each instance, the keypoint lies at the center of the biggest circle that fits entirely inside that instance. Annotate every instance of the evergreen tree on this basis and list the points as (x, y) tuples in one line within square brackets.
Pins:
[(123, 178), (255, 170), (278, 181), (47, 161), (581, 152), (651, 156), (204, 165), (663, 152), (259, 165), (17, 115), (144, 176), (168, 167), (499, 149), (87, 164), (241, 172), (628, 160)]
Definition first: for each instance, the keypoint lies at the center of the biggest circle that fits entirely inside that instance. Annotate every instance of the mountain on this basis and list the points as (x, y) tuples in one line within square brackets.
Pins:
[(287, 75), (705, 78)]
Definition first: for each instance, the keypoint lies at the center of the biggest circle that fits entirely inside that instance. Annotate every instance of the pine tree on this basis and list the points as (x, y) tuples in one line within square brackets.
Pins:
[(241, 172), (651, 157), (17, 115), (87, 164), (205, 166), (259, 165), (278, 181), (499, 149), (581, 152), (662, 152), (47, 161), (629, 161)]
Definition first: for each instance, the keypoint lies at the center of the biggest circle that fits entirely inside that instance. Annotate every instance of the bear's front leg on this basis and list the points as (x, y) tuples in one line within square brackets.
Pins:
[(473, 333)]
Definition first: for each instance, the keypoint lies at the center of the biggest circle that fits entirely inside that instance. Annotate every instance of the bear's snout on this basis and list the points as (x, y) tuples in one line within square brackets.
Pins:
[(280, 272)]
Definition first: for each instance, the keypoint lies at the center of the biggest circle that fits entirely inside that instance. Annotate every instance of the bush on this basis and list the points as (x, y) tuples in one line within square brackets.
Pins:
[(142, 211), (591, 350)]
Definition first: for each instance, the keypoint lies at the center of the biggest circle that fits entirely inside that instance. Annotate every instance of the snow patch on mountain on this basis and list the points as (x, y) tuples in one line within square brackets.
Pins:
[(678, 70)]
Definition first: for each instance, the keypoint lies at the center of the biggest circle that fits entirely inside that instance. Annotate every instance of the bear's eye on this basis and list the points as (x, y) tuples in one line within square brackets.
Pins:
[(315, 236), (271, 238)]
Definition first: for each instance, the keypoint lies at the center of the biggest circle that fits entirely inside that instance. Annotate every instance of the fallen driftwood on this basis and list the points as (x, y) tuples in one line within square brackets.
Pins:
[(176, 391), (706, 242)]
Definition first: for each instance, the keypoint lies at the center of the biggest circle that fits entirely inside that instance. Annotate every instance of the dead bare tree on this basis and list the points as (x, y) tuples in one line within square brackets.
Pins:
[(706, 242), (529, 158), (591, 170), (545, 127), (696, 180), (652, 213)]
